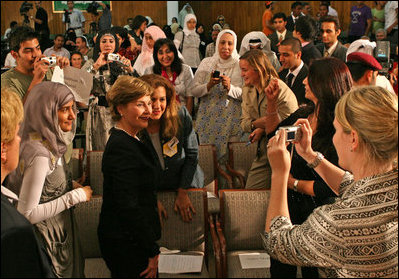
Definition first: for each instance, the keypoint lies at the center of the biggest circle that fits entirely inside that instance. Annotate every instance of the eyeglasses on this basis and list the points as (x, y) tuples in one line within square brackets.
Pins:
[(69, 109)]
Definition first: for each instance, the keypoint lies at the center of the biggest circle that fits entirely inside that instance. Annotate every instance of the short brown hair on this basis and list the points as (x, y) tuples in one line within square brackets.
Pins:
[(125, 90), (331, 19), (12, 113)]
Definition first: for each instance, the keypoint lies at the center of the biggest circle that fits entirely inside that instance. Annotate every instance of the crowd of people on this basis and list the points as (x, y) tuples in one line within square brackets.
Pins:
[(159, 92)]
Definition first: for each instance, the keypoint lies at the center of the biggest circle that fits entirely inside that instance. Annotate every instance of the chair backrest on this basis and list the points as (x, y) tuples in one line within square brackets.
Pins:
[(96, 179), (180, 235), (76, 163), (208, 163), (243, 217), (87, 215), (241, 156)]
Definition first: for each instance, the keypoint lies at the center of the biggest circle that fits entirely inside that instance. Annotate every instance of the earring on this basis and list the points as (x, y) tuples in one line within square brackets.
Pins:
[(351, 149)]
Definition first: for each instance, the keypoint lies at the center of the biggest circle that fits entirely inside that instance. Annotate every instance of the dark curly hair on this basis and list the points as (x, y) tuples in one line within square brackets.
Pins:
[(177, 62)]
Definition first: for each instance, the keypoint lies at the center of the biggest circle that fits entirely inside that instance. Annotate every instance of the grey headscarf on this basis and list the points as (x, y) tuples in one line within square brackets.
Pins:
[(40, 132)]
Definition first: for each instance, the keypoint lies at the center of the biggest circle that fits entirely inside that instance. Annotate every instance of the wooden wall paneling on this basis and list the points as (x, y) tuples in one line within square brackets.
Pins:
[(121, 11)]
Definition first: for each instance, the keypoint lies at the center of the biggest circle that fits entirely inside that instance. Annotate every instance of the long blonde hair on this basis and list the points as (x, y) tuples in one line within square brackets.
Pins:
[(170, 121), (372, 112), (12, 113)]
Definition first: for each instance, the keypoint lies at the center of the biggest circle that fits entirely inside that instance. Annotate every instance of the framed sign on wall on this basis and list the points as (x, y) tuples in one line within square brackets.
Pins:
[(60, 6)]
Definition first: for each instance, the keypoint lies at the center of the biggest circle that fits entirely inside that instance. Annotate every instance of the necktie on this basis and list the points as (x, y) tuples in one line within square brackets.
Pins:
[(289, 79), (281, 38), (325, 53)]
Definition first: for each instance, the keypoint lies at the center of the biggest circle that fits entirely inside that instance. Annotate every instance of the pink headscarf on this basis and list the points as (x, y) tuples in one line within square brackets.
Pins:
[(145, 58)]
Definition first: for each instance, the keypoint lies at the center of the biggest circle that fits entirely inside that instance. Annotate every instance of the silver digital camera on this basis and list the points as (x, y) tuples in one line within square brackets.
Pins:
[(294, 133), (114, 57), (52, 60)]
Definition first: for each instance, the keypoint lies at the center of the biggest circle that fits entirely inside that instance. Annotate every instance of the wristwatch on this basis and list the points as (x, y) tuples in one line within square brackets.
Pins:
[(316, 162)]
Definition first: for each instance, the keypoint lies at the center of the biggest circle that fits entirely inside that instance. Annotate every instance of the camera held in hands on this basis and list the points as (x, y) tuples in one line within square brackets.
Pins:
[(113, 57), (294, 133), (52, 60), (216, 74)]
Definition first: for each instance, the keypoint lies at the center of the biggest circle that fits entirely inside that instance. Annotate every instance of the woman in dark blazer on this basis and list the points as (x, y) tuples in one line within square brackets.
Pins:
[(171, 135), (129, 224)]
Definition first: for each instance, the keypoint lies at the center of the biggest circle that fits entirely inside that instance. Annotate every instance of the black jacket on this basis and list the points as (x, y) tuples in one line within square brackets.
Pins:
[(274, 40), (310, 52), (22, 254), (129, 211), (339, 52), (297, 87)]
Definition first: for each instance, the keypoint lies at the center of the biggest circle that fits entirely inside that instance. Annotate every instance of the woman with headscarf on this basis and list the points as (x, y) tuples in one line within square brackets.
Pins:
[(105, 73), (187, 9), (145, 59), (47, 192), (258, 40), (188, 42), (219, 84)]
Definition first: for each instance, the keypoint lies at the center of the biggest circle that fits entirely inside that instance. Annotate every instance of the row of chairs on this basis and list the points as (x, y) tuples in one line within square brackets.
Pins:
[(239, 162), (235, 230), (217, 216)]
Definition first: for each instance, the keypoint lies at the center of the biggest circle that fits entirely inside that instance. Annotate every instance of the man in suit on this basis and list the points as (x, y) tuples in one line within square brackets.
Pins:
[(296, 9), (330, 46), (304, 31), (280, 33), (295, 71)]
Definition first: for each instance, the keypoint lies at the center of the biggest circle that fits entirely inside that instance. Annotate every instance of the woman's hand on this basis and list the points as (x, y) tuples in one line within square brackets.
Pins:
[(212, 82), (304, 146), (101, 61), (88, 192), (184, 205), (127, 63), (256, 135), (161, 212), (152, 268), (277, 153), (272, 91), (226, 81)]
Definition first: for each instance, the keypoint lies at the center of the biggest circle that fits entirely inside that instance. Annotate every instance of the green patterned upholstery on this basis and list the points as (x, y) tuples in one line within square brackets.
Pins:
[(96, 179)]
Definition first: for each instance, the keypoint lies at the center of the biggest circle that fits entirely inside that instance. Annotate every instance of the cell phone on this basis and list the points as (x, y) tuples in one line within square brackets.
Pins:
[(216, 74)]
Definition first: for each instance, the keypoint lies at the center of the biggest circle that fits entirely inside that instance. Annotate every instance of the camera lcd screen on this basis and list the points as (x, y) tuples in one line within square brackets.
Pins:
[(291, 135)]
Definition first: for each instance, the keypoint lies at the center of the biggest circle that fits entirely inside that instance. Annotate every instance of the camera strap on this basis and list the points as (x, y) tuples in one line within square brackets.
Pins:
[(181, 44)]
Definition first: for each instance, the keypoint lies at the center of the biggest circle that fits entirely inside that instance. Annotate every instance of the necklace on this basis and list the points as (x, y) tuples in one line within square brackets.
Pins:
[(126, 132)]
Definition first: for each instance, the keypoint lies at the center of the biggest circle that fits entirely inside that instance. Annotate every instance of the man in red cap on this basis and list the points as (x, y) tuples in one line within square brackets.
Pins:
[(363, 67)]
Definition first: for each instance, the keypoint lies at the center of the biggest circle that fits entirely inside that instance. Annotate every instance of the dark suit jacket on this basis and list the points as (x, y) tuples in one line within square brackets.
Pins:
[(274, 40), (290, 23), (129, 211), (297, 87), (22, 254), (310, 52), (339, 52)]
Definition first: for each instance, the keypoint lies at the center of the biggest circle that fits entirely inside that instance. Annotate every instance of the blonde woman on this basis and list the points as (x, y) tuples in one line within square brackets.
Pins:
[(357, 235)]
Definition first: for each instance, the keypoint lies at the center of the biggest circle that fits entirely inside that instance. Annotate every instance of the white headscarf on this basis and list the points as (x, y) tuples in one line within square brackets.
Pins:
[(225, 63), (361, 46), (185, 29), (254, 35)]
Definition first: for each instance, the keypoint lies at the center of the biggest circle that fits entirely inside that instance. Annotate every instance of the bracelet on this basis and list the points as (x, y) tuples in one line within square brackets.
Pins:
[(295, 187), (317, 160)]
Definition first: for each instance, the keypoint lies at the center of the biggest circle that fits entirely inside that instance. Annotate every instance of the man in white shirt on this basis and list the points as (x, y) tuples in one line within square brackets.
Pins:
[(75, 19), (391, 21), (57, 49), (295, 71)]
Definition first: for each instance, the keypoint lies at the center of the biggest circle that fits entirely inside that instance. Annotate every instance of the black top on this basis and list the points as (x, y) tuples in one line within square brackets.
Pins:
[(310, 52), (22, 254), (138, 39), (42, 15), (129, 211), (301, 205), (181, 167)]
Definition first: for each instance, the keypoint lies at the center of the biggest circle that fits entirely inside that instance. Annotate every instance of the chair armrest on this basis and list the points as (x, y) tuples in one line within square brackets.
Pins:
[(216, 247), (223, 247), (237, 174), (226, 176)]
